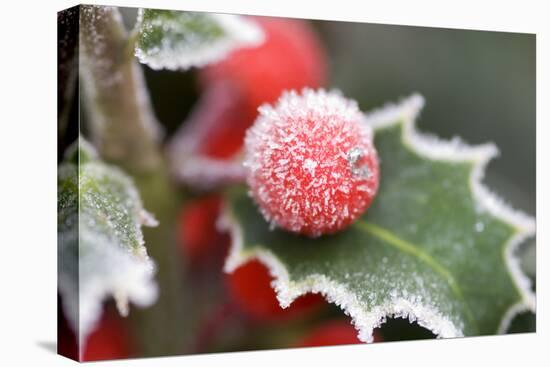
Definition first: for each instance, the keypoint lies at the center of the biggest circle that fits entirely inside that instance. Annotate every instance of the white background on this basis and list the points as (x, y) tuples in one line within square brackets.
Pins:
[(28, 181)]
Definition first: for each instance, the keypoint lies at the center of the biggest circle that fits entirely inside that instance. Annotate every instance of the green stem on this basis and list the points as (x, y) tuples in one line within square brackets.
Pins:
[(165, 327), (121, 119)]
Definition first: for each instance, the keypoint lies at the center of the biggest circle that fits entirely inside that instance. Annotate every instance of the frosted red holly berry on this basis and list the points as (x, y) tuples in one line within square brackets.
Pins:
[(310, 162), (249, 287)]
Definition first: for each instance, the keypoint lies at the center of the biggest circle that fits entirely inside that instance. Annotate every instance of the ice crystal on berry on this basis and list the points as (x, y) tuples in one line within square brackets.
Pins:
[(311, 164)]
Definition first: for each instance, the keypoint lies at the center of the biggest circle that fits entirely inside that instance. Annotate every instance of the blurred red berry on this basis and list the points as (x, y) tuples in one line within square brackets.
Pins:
[(250, 289), (336, 332), (223, 119), (291, 57), (197, 233), (110, 340)]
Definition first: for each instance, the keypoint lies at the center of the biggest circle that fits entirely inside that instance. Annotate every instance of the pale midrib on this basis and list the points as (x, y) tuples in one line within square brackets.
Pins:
[(405, 246)]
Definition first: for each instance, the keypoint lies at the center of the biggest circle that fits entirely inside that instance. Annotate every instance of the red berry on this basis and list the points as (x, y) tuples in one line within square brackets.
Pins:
[(197, 231), (337, 332), (110, 340), (311, 164), (250, 288), (289, 58), (216, 127)]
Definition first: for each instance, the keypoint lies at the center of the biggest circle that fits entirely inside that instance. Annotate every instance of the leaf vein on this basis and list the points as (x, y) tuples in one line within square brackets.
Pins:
[(408, 247)]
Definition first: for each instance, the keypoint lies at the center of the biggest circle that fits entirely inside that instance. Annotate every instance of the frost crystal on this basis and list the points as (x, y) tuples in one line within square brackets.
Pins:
[(311, 164)]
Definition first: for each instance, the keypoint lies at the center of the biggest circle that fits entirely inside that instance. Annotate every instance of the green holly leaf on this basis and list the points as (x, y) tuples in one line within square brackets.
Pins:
[(436, 247), (168, 39), (101, 250)]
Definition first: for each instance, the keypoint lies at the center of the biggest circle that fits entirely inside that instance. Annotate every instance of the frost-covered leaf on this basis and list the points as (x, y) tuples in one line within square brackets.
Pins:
[(435, 247), (101, 249), (174, 40)]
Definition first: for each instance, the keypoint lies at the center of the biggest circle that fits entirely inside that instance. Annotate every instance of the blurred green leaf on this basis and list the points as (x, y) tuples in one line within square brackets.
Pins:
[(529, 259), (168, 39), (435, 247), (101, 248)]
